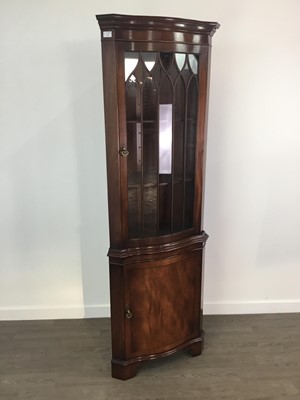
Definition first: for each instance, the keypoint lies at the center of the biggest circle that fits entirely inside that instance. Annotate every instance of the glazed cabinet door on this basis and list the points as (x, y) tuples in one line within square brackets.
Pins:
[(161, 102), (163, 304)]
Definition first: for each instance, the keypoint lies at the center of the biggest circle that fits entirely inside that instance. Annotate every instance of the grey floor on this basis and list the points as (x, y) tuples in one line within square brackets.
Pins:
[(245, 357)]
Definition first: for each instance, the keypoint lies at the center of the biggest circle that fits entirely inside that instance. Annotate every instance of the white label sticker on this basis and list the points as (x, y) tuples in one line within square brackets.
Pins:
[(107, 34)]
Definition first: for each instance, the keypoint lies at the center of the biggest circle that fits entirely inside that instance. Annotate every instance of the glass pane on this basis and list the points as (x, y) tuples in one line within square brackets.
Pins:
[(186, 73), (133, 102), (180, 60), (165, 91), (150, 145), (166, 59), (173, 70), (134, 211), (165, 204), (178, 150), (157, 72), (150, 99), (165, 138), (192, 99), (149, 60), (190, 153), (179, 128), (130, 62), (134, 160), (177, 206), (193, 63), (189, 204), (150, 211), (190, 150), (191, 129)]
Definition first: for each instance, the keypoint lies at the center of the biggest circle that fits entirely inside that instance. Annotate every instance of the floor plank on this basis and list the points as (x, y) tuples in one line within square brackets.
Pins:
[(246, 357)]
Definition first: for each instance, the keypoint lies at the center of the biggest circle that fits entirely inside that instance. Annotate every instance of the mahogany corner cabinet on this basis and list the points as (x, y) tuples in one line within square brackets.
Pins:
[(155, 81)]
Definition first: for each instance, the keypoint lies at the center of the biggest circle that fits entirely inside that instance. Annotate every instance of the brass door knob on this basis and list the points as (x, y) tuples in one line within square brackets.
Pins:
[(128, 313), (124, 152)]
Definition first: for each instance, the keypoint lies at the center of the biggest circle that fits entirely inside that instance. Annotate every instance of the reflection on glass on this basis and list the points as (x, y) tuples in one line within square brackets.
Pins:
[(180, 60), (193, 63), (165, 138), (132, 79), (149, 59), (131, 60)]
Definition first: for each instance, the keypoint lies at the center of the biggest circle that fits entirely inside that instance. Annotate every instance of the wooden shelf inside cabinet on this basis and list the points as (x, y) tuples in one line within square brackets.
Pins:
[(155, 84)]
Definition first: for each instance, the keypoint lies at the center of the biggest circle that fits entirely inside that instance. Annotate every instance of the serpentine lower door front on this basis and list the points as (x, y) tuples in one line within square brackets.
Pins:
[(155, 78)]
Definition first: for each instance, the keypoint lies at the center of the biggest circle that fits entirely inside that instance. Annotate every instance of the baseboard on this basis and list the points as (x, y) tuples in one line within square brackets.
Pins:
[(252, 307), (58, 312), (103, 310)]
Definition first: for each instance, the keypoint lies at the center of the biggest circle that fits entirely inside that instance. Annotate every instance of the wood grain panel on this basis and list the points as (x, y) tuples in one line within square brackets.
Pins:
[(164, 298)]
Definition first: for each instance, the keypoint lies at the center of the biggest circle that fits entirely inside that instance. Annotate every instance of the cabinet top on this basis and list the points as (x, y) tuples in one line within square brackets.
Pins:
[(119, 21)]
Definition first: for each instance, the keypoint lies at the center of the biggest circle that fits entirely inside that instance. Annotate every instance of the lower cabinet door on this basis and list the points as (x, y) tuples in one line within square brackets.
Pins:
[(163, 299)]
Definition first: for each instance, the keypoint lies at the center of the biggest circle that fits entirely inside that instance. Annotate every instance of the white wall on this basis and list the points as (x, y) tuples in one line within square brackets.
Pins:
[(53, 206)]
